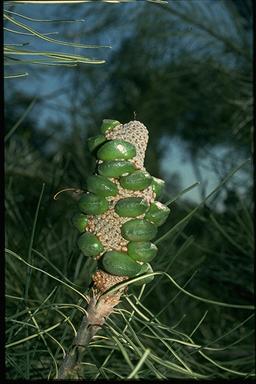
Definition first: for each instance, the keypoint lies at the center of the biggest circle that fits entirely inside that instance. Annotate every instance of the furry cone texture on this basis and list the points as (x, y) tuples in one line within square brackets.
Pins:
[(107, 227)]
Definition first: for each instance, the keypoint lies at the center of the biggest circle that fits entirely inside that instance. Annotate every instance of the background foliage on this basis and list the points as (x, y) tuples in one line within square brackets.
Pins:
[(184, 68)]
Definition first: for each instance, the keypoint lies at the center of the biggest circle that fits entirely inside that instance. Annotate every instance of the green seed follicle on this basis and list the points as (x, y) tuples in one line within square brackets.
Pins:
[(95, 142), (92, 204), (115, 168), (80, 221), (120, 264), (142, 251), (136, 181), (157, 213), (120, 171), (101, 186), (158, 186), (108, 125), (138, 230), (90, 245), (131, 207), (116, 150)]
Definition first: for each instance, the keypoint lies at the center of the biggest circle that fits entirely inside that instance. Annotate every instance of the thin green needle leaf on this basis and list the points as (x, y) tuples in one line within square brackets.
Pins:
[(139, 365), (16, 75), (68, 321), (238, 306), (182, 193), (14, 364), (190, 345), (21, 119), (131, 344), (50, 62), (136, 309), (53, 266), (55, 55), (45, 21), (199, 323), (184, 246), (44, 341), (16, 45), (28, 273), (44, 272), (165, 363), (226, 235), (204, 26), (124, 353), (34, 335), (173, 352), (23, 323), (21, 298), (222, 367), (185, 219), (36, 310), (49, 39), (130, 281), (229, 332), (59, 345), (27, 33)]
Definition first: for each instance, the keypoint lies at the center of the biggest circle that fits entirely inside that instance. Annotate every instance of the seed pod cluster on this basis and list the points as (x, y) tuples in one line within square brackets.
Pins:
[(118, 215)]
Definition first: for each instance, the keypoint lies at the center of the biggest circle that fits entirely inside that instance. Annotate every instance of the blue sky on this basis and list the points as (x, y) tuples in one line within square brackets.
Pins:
[(45, 81)]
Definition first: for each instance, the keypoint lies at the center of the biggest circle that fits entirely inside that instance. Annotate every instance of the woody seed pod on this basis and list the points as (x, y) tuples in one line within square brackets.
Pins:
[(115, 168), (157, 213), (120, 264), (158, 186), (92, 204), (90, 245), (116, 150), (108, 124), (131, 207), (138, 230), (136, 181), (95, 142), (142, 251), (80, 221), (101, 186)]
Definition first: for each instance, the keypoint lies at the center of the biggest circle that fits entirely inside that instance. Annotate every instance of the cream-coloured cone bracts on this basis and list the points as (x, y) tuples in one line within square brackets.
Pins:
[(118, 217), (119, 213), (108, 225)]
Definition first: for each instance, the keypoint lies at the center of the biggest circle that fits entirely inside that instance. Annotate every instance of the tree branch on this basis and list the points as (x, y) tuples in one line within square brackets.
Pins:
[(98, 311)]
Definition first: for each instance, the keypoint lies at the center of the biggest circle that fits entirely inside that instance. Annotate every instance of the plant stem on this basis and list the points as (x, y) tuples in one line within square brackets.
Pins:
[(97, 312)]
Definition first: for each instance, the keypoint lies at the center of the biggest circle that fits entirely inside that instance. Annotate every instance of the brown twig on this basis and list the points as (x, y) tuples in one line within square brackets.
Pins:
[(98, 310)]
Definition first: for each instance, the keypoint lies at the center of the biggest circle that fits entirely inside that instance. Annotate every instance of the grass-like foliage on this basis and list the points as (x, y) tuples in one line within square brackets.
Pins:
[(193, 321), (25, 53)]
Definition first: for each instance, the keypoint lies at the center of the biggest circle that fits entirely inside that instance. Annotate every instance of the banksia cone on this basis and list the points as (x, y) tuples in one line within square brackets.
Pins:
[(118, 217), (121, 213)]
